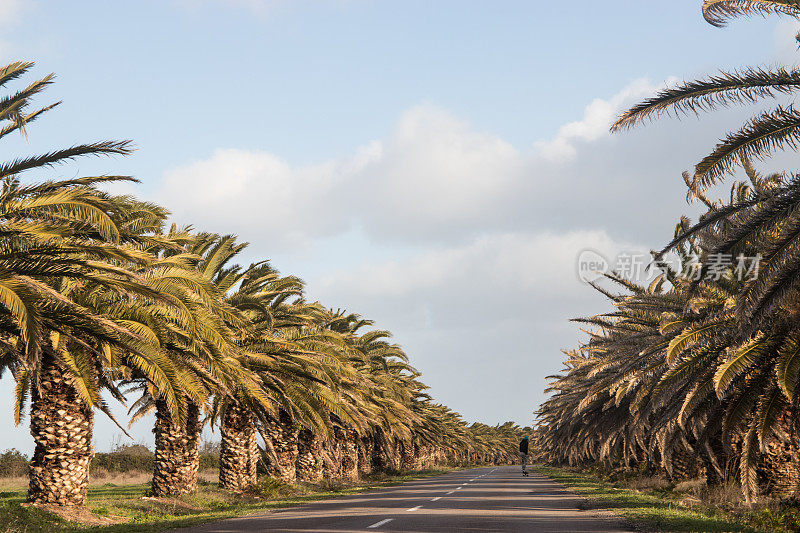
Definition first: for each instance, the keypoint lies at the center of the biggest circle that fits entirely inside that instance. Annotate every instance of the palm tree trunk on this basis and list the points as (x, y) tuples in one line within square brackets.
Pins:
[(424, 458), (282, 436), (430, 456), (239, 450), (420, 455), (61, 426), (334, 454), (177, 458), (384, 454), (349, 468), (365, 445), (379, 462), (407, 459), (309, 464), (393, 456)]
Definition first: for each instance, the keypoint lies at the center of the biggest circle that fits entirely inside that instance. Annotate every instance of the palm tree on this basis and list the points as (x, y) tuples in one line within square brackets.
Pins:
[(57, 235), (762, 372), (62, 347), (246, 292), (198, 336), (760, 136), (318, 395), (293, 357), (674, 372)]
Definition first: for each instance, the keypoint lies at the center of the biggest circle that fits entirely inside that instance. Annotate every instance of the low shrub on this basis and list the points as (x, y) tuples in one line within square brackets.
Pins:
[(270, 488), (334, 484), (124, 458), (649, 483), (209, 455), (13, 463), (777, 515), (725, 496), (138, 458), (694, 487)]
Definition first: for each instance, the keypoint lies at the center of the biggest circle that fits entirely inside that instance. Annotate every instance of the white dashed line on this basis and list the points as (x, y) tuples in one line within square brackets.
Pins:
[(417, 508), (459, 488), (449, 493), (436, 498), (379, 524)]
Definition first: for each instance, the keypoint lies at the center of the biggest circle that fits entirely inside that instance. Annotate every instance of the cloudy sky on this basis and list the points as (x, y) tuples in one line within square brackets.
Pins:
[(434, 166)]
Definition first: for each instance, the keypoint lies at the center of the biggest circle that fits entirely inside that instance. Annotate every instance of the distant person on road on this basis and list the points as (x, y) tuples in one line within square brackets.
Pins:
[(523, 454)]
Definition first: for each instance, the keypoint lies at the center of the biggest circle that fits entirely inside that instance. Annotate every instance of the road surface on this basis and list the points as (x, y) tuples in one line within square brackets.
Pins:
[(480, 499)]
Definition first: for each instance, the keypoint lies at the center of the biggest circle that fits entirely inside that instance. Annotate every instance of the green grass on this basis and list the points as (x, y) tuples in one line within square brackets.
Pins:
[(207, 504), (660, 509)]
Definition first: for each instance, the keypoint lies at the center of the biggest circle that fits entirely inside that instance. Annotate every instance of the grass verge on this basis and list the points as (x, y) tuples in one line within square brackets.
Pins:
[(208, 504), (659, 509)]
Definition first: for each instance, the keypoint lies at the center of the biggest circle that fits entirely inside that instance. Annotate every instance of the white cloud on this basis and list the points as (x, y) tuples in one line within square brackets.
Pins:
[(435, 178), (506, 272), (11, 13), (597, 118), (433, 167), (438, 170), (499, 302), (243, 190)]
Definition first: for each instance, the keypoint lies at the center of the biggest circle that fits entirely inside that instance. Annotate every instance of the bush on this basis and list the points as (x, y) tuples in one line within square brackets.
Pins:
[(13, 463), (139, 458), (124, 458), (334, 484), (209, 455), (270, 488)]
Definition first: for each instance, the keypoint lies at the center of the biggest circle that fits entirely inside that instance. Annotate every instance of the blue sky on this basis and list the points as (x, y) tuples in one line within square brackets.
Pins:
[(435, 166)]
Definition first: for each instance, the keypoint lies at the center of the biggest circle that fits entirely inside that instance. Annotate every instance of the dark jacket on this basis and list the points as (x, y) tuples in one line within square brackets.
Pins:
[(523, 446)]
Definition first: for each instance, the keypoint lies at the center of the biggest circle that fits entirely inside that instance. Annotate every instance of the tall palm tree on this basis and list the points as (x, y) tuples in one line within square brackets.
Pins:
[(55, 235), (763, 134), (675, 373), (247, 291), (762, 372), (199, 337), (63, 346), (286, 349)]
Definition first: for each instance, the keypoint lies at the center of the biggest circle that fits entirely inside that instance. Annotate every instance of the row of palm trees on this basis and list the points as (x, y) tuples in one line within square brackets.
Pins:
[(100, 298), (698, 375)]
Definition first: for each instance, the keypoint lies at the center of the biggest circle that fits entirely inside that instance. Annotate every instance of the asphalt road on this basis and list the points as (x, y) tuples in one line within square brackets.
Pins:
[(480, 499)]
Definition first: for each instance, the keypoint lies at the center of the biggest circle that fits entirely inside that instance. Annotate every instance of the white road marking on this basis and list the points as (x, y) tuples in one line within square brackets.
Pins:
[(449, 493), (436, 498), (459, 488), (418, 507), (379, 524)]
